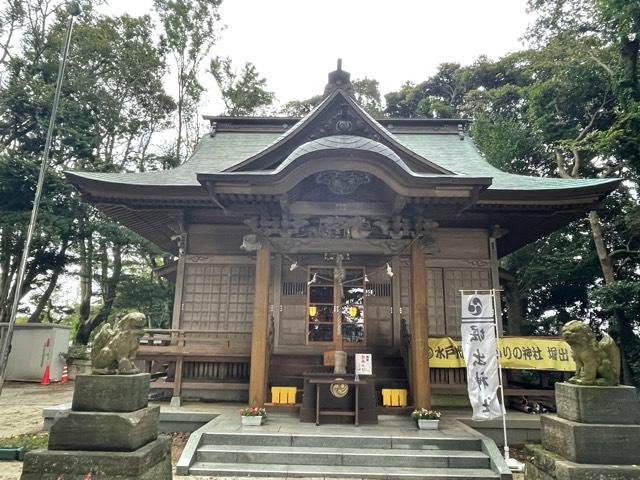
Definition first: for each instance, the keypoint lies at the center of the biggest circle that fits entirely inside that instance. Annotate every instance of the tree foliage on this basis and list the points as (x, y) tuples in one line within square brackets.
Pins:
[(365, 91), (113, 100), (189, 32), (568, 107), (243, 93)]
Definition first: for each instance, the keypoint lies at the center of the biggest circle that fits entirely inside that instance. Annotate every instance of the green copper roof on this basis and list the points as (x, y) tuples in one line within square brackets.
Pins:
[(217, 153), (213, 154), (463, 158)]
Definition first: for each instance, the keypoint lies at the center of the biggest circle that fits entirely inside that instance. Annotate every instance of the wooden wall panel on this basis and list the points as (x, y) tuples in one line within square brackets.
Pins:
[(216, 239), (218, 297), (456, 280), (465, 243), (293, 307), (435, 302), (379, 319)]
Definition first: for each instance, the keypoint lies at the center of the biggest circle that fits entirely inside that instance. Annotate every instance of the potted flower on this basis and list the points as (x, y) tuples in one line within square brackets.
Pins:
[(427, 419), (253, 415)]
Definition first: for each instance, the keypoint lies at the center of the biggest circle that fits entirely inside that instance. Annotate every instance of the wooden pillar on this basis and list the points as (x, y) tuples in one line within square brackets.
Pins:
[(260, 332), (396, 304), (176, 319), (495, 281), (419, 329), (177, 298)]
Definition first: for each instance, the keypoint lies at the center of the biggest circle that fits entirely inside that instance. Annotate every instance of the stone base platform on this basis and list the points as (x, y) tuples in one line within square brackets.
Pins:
[(105, 431), (611, 405), (151, 462), (591, 443), (542, 464), (111, 393)]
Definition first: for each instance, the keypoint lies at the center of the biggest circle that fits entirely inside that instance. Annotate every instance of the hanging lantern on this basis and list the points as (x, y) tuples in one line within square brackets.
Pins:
[(353, 311), (313, 310)]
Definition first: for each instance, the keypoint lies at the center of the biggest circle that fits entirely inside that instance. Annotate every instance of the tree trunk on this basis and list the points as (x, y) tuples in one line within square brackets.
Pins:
[(513, 302), (609, 278), (108, 294), (601, 249), (7, 272), (629, 52), (86, 277), (53, 282)]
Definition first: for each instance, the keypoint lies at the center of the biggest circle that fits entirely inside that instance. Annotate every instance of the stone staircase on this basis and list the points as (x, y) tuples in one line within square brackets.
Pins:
[(329, 456)]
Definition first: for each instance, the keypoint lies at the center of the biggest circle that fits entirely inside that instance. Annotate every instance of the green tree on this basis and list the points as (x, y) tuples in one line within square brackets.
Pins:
[(300, 108), (189, 32), (439, 96), (11, 20), (112, 103), (366, 92), (610, 30), (243, 93)]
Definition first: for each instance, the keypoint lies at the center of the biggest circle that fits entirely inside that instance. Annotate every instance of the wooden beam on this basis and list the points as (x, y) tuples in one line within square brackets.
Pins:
[(260, 331), (419, 329)]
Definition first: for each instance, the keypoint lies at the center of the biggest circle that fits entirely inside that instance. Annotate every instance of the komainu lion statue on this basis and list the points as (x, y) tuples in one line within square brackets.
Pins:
[(597, 363), (114, 349)]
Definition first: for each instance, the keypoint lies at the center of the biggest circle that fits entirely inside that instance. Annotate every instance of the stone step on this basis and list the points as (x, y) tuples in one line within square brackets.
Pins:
[(384, 457), (338, 471), (343, 441)]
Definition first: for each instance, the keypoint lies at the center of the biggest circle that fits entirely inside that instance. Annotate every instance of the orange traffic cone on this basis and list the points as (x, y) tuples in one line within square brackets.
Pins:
[(45, 377), (65, 374)]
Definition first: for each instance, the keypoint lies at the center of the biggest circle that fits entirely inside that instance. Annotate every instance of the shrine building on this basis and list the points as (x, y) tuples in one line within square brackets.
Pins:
[(298, 237)]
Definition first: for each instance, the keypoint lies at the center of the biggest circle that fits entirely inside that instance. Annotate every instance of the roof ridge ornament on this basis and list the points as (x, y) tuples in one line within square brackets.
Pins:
[(338, 80)]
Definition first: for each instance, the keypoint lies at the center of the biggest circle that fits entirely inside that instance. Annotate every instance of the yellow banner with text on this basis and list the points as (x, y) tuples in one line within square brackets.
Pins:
[(522, 353)]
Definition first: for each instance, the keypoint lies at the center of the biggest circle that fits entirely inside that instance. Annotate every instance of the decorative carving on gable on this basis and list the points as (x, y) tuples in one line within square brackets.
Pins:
[(342, 183), (342, 227), (344, 121)]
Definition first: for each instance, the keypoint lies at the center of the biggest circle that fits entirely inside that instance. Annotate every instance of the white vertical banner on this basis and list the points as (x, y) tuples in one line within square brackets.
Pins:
[(480, 349)]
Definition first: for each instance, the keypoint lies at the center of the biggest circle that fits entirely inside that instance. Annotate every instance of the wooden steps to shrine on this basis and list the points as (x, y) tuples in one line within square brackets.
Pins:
[(361, 456)]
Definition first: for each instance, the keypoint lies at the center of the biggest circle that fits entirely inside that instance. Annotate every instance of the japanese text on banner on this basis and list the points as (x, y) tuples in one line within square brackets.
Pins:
[(480, 348), (523, 353)]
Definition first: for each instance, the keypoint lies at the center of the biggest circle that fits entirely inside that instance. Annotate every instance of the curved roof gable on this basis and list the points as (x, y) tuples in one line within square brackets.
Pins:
[(337, 115), (363, 154)]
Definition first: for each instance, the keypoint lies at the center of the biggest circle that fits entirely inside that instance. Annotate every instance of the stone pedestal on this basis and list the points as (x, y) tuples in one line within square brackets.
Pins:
[(110, 432), (595, 434), (607, 405)]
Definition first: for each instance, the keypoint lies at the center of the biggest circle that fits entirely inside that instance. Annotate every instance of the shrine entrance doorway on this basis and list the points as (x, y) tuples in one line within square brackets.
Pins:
[(336, 307)]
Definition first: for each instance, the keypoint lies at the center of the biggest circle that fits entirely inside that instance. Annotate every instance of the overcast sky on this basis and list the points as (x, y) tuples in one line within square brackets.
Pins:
[(295, 43)]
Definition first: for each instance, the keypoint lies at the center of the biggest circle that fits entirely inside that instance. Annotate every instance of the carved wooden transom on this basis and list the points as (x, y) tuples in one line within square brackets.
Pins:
[(341, 227)]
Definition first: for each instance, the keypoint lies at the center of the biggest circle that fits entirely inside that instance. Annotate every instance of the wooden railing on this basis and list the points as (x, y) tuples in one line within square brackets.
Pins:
[(198, 359), (195, 342)]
